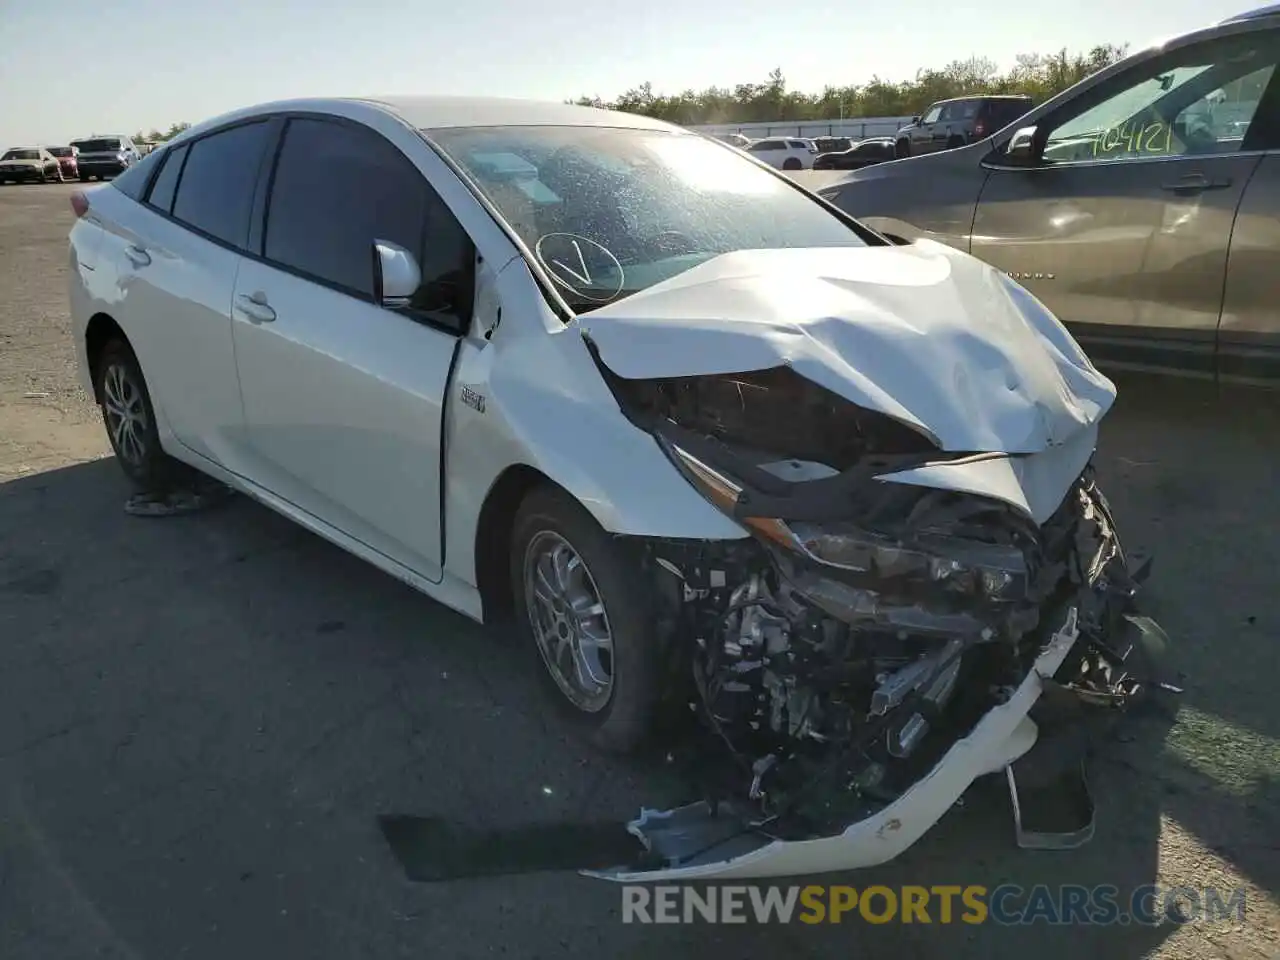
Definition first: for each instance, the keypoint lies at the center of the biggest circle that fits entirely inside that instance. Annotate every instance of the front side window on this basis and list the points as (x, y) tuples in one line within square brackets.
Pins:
[(764, 145), (608, 212), (339, 187), (932, 115), (1200, 100), (216, 191)]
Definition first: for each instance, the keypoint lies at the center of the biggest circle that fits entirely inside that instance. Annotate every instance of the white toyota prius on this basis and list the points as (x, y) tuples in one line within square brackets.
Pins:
[(714, 443)]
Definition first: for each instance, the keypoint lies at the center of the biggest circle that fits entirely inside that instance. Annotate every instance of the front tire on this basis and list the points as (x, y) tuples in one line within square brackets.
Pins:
[(791, 163), (583, 607), (901, 149), (130, 419)]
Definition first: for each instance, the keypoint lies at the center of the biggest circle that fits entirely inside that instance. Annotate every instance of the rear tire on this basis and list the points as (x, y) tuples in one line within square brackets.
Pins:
[(955, 142), (84, 177), (130, 419), (576, 586)]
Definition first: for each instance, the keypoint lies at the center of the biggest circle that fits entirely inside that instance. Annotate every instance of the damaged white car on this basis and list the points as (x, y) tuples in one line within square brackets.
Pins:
[(713, 442)]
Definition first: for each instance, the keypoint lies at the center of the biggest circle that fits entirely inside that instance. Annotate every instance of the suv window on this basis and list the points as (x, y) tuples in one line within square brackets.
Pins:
[(216, 193), (760, 145), (166, 182), (337, 188), (933, 113), (1198, 100), (961, 110), (1001, 113)]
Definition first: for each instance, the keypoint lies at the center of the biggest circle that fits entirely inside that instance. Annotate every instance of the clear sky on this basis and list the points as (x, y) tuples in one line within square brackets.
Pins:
[(69, 68)]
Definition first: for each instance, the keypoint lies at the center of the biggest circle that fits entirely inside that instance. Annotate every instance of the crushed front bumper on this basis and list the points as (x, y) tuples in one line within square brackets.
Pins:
[(697, 845)]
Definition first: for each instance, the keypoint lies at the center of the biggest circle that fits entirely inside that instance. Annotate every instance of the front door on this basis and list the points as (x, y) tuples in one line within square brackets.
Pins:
[(1122, 224), (343, 397), (922, 133)]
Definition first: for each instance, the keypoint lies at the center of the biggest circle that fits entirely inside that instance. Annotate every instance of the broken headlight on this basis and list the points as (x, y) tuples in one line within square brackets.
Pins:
[(996, 571)]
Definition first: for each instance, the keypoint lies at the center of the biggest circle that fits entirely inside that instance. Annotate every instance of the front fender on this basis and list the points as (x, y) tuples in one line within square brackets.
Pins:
[(533, 396)]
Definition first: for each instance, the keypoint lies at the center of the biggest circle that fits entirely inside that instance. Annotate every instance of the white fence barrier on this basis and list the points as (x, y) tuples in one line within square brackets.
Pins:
[(859, 128)]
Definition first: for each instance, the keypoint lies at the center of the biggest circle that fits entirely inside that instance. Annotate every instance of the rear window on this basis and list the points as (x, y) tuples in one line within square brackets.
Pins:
[(134, 180), (59, 151), (100, 145), (215, 193), (21, 155), (166, 183), (1002, 112)]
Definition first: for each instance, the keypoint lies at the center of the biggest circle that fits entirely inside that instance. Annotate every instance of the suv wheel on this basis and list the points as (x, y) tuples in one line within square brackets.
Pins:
[(902, 148), (791, 163)]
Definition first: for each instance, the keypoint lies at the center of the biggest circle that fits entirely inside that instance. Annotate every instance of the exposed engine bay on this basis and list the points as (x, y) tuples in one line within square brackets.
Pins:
[(866, 626)]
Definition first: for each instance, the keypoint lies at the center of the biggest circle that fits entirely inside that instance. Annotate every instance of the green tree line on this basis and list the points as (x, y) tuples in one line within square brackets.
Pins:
[(1038, 75), (160, 136)]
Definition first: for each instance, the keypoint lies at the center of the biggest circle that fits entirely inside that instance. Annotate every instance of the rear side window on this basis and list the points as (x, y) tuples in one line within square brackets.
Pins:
[(337, 188), (216, 192), (134, 179), (167, 179)]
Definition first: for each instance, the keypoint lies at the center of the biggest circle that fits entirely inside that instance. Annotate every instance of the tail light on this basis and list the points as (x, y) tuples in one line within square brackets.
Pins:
[(79, 203), (980, 128)]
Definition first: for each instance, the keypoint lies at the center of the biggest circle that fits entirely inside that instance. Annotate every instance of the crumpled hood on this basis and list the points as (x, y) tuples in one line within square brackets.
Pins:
[(922, 333)]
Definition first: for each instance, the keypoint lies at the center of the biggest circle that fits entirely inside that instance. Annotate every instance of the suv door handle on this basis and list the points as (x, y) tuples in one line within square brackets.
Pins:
[(137, 256), (255, 307), (1195, 183)]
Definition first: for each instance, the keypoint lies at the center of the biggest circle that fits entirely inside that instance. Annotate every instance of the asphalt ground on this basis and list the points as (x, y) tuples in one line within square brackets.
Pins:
[(202, 717)]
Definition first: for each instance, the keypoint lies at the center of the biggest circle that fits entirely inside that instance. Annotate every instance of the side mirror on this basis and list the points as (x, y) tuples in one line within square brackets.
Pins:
[(1021, 149), (396, 274), (915, 119)]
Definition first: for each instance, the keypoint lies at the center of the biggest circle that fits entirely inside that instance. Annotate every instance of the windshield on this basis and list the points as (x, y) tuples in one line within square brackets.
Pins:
[(60, 151), (608, 212), (103, 145), (22, 155)]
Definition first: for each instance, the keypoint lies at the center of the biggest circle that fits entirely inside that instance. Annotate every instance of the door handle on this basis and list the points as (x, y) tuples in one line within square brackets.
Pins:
[(1195, 183), (255, 307), (137, 256)]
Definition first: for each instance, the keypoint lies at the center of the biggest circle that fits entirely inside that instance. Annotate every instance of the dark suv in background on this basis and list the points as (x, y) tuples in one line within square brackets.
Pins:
[(104, 156), (948, 124)]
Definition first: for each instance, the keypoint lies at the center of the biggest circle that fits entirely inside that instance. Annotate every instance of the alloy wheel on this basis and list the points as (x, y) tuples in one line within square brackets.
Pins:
[(569, 621), (125, 413)]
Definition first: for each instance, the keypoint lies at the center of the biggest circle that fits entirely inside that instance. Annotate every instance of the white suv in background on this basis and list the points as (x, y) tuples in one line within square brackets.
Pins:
[(785, 153)]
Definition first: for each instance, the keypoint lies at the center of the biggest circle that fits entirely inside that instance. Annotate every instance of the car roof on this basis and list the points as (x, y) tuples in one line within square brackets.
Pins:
[(1270, 11), (437, 113), (985, 96)]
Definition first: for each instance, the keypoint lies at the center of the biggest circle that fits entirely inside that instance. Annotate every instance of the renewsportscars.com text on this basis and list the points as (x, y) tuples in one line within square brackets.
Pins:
[(1007, 905)]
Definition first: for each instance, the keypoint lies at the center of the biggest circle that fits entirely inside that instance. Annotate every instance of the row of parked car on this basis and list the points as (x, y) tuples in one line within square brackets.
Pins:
[(946, 125), (97, 156)]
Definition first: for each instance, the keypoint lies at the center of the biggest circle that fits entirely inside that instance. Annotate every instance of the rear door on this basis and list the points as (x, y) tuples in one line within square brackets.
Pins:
[(177, 262), (1122, 227), (343, 397)]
